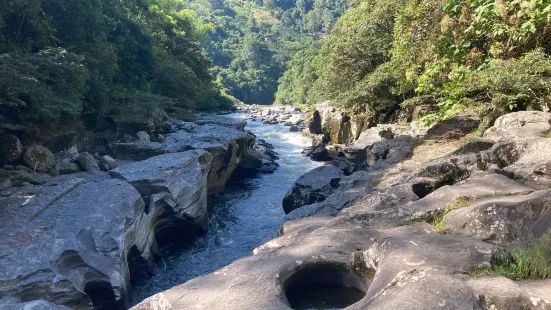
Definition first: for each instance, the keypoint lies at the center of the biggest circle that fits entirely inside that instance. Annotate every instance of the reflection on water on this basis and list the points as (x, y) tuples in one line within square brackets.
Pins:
[(247, 214)]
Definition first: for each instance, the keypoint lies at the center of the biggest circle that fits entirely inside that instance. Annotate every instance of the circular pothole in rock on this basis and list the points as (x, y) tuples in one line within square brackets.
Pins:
[(324, 286)]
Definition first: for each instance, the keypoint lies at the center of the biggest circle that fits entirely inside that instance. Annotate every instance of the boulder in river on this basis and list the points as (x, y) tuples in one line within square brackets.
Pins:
[(314, 186), (87, 162)]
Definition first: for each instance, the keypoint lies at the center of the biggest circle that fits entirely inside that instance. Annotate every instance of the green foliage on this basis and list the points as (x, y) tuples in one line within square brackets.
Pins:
[(251, 42), (487, 56), (438, 221), (42, 88), (530, 262), (110, 54)]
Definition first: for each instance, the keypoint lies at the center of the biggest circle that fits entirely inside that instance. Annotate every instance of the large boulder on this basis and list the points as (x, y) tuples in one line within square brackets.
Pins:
[(336, 124), (143, 136), (39, 158), (87, 162), (71, 243), (174, 187), (314, 186), (503, 220), (10, 148)]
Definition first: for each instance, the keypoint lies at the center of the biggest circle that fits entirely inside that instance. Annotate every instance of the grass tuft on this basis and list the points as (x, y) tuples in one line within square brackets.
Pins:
[(530, 262), (438, 221), (548, 135)]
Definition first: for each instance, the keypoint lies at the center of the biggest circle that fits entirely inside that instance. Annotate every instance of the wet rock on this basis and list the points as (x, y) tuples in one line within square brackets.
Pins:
[(143, 136), (38, 158), (252, 161), (268, 168), (174, 187), (10, 148), (69, 247), (87, 162), (350, 189), (314, 186), (294, 128)]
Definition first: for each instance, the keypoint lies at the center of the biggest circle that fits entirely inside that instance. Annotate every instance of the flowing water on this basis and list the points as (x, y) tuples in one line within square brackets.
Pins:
[(246, 215)]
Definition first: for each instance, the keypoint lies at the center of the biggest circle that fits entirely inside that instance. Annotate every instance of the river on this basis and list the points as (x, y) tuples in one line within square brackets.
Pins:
[(246, 215)]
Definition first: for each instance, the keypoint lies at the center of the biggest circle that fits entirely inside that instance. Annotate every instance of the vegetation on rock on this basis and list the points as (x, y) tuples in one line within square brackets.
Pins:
[(532, 261)]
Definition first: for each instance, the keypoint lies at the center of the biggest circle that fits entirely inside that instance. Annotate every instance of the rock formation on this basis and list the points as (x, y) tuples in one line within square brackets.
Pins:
[(412, 229)]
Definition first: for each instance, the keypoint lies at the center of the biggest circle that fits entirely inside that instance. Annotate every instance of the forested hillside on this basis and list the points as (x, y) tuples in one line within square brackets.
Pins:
[(487, 56), (250, 42), (69, 63)]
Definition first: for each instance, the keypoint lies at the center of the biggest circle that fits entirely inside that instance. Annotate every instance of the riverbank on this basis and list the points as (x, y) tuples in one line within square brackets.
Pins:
[(79, 239), (421, 218)]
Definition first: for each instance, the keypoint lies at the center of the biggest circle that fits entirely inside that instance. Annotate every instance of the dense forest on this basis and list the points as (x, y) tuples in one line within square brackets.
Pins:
[(89, 63), (251, 42), (486, 56)]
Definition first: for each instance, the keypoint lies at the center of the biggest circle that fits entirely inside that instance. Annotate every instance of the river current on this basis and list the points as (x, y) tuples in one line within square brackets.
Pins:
[(245, 216)]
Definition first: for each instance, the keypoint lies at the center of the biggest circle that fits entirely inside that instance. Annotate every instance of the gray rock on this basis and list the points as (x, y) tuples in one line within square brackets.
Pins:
[(109, 161), (38, 158), (8, 167), (5, 184), (68, 246), (503, 220), (314, 186), (143, 136), (160, 138), (168, 127), (235, 123), (23, 168), (65, 167), (136, 150), (294, 128), (252, 161), (87, 162), (10, 148), (12, 303), (174, 187), (227, 145), (502, 293)]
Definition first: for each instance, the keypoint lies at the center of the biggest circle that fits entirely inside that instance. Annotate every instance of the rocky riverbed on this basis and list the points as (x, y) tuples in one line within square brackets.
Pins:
[(418, 219), (400, 217), (80, 238)]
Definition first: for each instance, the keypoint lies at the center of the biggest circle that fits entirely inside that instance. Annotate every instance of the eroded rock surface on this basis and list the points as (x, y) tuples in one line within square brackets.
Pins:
[(314, 186), (68, 243), (381, 224), (174, 187)]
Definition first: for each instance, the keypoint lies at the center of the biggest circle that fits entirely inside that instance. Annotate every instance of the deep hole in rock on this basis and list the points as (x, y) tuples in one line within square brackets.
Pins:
[(102, 295), (324, 286)]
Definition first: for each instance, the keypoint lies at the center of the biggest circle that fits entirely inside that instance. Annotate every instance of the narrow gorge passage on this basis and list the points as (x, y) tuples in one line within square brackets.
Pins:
[(247, 214)]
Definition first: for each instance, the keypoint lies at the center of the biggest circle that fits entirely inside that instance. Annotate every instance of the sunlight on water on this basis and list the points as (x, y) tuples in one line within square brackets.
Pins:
[(246, 215)]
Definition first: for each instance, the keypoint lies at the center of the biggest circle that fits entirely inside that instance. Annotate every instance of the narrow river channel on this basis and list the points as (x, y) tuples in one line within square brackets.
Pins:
[(247, 214)]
